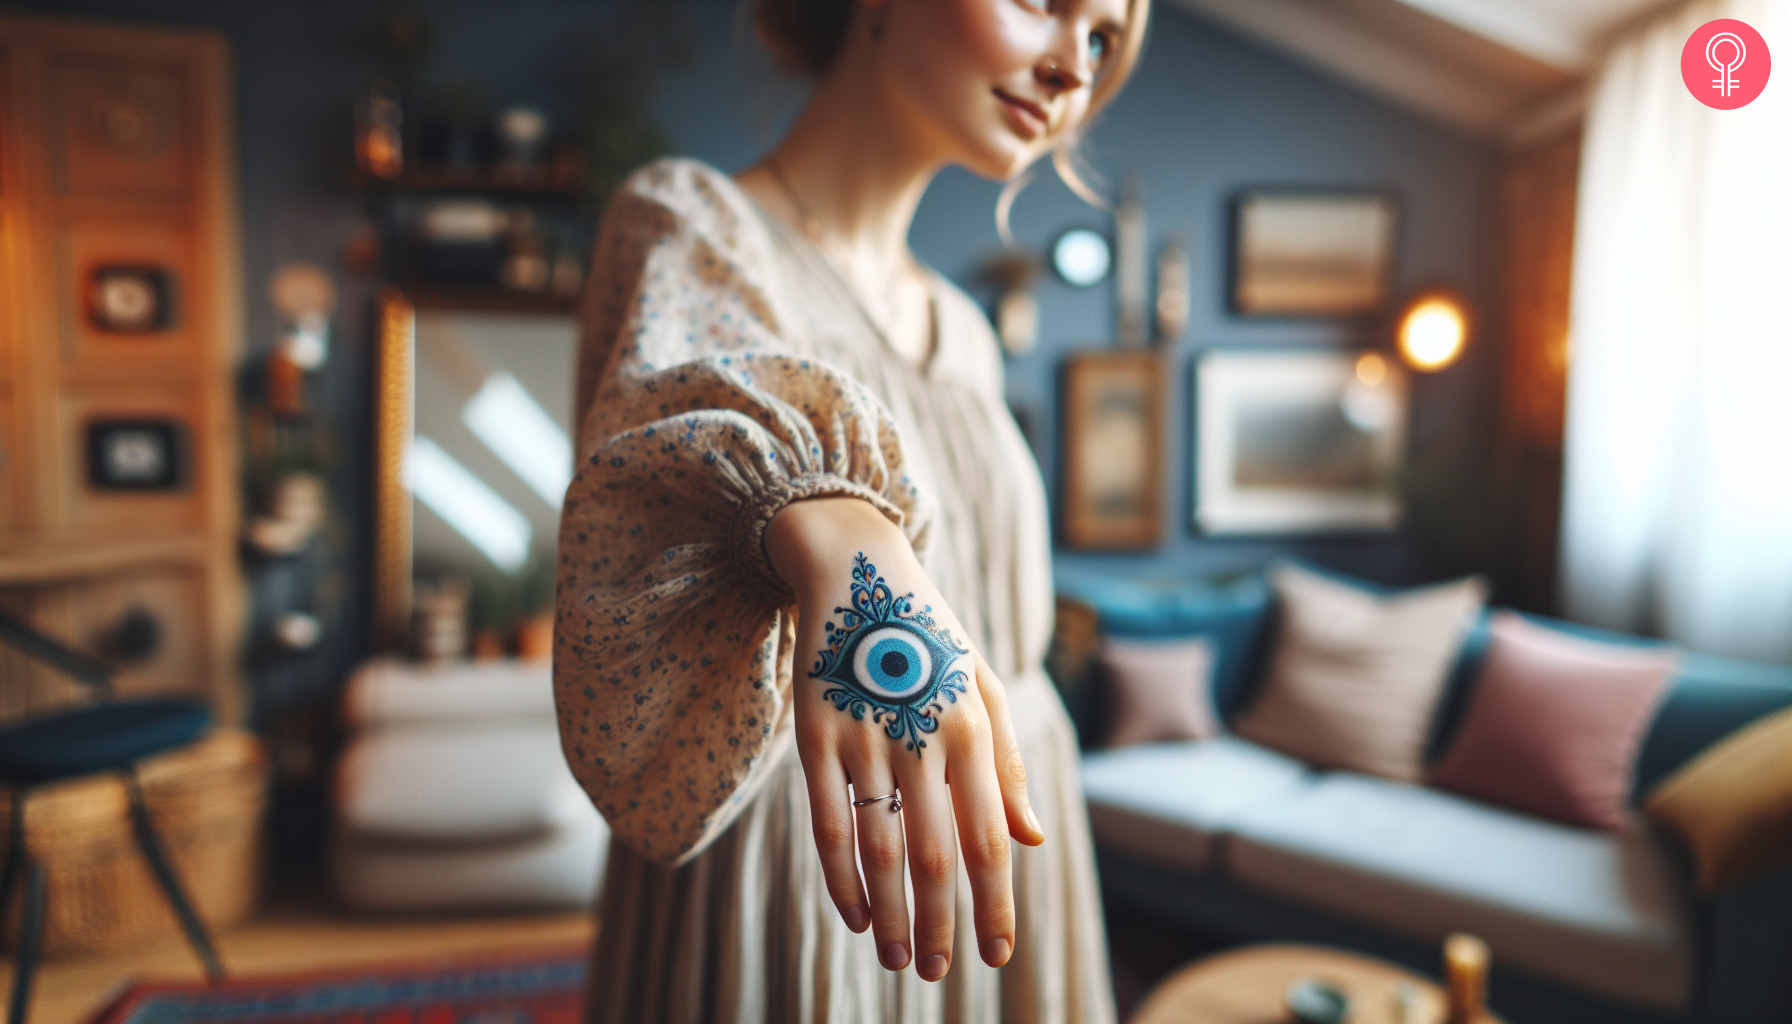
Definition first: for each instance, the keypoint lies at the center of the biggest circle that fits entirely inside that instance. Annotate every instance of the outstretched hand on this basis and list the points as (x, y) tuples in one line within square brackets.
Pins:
[(904, 737)]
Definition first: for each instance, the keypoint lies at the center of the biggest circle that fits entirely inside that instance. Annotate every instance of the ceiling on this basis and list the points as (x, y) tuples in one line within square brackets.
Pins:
[(1509, 70)]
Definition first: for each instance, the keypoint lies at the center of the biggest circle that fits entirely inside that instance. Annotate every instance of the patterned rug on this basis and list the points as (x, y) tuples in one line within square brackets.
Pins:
[(544, 987)]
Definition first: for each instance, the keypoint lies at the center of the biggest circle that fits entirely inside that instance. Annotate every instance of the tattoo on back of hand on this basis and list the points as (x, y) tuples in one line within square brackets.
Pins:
[(889, 659)]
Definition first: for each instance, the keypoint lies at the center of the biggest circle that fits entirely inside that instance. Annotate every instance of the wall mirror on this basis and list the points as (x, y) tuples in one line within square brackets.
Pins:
[(474, 429)]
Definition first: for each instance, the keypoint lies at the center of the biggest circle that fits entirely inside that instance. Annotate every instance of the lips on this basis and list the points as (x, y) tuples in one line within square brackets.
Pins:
[(1024, 116)]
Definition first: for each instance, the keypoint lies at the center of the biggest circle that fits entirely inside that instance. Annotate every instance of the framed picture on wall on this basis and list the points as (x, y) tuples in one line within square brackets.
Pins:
[(1297, 441), (1312, 253), (1113, 450)]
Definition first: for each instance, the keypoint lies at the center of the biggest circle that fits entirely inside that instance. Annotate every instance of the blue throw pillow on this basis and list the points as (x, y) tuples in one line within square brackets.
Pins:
[(1231, 612)]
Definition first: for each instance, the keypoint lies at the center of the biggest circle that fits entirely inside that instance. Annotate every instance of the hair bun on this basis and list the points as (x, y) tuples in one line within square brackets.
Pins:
[(803, 36)]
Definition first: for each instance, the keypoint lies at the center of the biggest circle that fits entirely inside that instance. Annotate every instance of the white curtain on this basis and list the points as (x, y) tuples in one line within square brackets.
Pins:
[(1677, 503)]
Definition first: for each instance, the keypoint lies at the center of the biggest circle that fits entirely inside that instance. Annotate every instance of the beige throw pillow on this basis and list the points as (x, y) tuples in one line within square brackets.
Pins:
[(1159, 691), (1355, 677)]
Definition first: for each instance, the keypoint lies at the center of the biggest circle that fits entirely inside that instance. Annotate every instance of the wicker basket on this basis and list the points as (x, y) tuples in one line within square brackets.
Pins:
[(206, 800)]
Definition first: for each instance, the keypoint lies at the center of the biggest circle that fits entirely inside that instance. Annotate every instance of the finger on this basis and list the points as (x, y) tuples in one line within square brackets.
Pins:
[(830, 812), (880, 847), (932, 854), (1011, 771), (983, 838)]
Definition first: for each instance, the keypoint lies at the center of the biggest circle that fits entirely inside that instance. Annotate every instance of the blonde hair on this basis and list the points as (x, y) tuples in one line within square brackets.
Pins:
[(805, 36)]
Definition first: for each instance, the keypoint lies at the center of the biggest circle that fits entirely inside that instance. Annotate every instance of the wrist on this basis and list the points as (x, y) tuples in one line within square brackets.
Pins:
[(811, 539)]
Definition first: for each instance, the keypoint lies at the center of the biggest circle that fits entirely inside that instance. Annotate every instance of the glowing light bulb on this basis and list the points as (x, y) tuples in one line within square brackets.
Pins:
[(1432, 333)]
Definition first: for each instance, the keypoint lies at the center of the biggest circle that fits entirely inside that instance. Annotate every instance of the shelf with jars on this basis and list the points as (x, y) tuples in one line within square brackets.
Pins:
[(488, 217)]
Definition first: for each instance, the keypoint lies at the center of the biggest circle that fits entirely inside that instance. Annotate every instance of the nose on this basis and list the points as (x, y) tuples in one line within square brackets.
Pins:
[(1063, 69)]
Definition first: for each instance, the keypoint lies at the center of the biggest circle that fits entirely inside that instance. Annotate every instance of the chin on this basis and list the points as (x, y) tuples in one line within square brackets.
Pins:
[(1003, 159)]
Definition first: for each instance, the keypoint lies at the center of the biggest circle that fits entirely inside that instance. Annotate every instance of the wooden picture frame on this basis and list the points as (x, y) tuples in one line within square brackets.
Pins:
[(1297, 441), (1113, 450), (1312, 252)]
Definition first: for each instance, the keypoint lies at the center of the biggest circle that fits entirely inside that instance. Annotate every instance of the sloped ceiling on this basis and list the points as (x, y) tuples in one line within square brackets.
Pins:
[(1508, 70)]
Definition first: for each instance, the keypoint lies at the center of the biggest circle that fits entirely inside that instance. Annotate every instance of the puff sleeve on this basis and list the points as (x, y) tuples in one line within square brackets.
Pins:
[(699, 420)]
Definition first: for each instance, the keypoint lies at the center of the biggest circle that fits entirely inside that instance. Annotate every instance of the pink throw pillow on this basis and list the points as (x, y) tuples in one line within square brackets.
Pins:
[(1555, 722), (1158, 690)]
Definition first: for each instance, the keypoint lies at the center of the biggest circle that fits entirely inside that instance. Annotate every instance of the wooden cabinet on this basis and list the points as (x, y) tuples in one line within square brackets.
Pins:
[(120, 317)]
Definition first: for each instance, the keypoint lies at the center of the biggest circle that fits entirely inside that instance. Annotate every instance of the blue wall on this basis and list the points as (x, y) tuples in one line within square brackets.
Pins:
[(1207, 113)]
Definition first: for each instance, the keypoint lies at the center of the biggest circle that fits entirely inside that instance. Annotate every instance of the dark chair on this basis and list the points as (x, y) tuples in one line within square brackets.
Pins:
[(109, 735)]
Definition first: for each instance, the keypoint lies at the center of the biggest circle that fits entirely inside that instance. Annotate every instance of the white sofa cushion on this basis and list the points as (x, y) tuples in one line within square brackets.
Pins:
[(1166, 801), (558, 868), (471, 784), (388, 692), (1602, 911)]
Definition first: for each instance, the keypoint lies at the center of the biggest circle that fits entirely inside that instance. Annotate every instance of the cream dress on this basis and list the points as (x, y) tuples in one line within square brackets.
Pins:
[(726, 369)]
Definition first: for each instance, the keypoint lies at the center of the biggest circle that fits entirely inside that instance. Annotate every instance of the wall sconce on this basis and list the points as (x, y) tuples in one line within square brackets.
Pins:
[(1433, 330)]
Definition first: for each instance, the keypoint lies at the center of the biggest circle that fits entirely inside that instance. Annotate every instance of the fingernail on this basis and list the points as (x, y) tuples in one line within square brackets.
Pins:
[(894, 956), (1033, 820), (933, 968), (856, 918), (995, 952)]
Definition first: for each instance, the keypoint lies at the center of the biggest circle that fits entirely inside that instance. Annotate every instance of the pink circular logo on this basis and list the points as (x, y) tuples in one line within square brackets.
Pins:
[(1725, 64)]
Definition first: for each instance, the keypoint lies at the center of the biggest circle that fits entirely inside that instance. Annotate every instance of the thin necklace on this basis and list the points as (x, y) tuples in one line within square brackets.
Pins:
[(811, 226)]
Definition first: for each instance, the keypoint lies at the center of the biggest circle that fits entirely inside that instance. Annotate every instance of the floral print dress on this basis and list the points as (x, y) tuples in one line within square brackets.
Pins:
[(726, 370)]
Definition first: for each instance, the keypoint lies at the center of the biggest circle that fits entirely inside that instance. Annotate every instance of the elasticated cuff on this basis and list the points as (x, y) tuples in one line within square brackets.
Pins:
[(746, 547)]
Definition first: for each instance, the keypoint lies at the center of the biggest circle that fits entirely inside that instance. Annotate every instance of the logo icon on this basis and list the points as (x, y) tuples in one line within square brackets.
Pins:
[(1725, 64)]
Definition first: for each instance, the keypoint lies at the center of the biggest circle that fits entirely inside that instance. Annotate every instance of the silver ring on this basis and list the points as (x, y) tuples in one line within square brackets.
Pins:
[(895, 801)]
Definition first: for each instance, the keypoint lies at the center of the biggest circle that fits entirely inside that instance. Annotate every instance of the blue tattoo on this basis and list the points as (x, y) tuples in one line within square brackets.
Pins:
[(890, 660)]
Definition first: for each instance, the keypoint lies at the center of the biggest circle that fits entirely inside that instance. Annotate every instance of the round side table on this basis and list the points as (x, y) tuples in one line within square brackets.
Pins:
[(1247, 986)]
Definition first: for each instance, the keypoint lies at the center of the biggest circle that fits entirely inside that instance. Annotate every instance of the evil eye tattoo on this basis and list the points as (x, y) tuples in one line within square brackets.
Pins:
[(890, 660)]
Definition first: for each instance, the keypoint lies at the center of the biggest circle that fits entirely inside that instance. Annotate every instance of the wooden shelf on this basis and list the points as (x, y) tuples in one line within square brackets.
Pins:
[(432, 179), (486, 300)]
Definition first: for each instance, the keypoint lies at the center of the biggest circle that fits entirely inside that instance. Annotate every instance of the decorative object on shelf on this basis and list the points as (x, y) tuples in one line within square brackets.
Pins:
[(1112, 474), (566, 271), (298, 631), (1433, 329), (1172, 291), (522, 141), (1312, 253), (439, 621), (130, 298), (535, 638), (1302, 441), (304, 297), (295, 510), (379, 131), (1081, 257), (1017, 312), (136, 454), (1130, 285), (525, 267), (461, 241)]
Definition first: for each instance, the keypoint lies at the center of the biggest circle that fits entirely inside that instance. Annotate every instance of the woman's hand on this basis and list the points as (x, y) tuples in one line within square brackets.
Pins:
[(893, 701)]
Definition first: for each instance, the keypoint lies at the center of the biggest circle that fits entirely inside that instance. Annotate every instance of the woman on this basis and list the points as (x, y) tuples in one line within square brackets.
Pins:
[(804, 573)]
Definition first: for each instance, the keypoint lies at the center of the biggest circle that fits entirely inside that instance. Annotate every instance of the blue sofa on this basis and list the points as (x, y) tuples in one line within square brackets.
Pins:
[(1587, 927)]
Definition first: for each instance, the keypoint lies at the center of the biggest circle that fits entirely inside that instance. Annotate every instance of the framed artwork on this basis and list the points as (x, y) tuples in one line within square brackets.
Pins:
[(135, 455), (1297, 441), (1312, 253), (130, 299), (1112, 468)]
